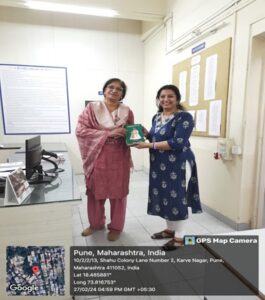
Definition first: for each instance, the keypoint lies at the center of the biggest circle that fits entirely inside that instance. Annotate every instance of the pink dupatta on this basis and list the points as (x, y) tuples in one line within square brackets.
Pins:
[(93, 128)]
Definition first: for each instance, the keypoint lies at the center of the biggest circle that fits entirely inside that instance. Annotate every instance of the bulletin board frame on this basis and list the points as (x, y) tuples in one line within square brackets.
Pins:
[(221, 85)]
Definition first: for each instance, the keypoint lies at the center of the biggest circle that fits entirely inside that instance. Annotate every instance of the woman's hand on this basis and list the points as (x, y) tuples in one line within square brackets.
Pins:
[(142, 145), (145, 132), (117, 132)]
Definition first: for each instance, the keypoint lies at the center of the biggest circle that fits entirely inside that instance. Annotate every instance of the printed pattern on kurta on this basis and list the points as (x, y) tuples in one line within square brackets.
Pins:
[(110, 176), (168, 197), (106, 160)]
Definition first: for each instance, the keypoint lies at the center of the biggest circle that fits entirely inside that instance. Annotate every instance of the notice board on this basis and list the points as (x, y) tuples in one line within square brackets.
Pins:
[(203, 81), (34, 99)]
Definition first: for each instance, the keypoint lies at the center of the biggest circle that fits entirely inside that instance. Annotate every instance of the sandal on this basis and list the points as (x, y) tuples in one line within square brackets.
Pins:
[(113, 235), (89, 231), (165, 234), (173, 244)]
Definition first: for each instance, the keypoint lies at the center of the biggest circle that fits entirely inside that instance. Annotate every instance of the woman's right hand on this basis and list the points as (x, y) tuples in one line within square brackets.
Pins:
[(117, 132), (145, 132)]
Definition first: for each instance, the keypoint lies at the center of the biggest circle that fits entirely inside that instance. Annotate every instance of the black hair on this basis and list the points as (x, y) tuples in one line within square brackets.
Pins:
[(175, 90), (122, 83)]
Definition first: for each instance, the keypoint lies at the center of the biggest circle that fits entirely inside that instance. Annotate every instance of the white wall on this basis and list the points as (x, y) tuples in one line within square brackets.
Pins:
[(92, 49), (227, 188), (95, 49)]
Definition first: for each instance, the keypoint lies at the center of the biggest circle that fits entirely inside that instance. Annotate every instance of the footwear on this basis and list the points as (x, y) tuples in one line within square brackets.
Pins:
[(89, 231), (113, 235), (165, 234), (173, 244)]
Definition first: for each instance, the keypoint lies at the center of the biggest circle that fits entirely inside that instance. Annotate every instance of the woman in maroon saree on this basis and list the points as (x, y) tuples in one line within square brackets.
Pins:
[(106, 158)]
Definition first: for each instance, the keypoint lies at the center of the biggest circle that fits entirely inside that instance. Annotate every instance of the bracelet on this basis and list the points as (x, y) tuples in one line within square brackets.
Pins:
[(154, 146)]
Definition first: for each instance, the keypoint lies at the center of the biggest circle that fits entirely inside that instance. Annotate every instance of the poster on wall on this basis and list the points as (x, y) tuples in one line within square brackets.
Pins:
[(34, 99), (210, 77)]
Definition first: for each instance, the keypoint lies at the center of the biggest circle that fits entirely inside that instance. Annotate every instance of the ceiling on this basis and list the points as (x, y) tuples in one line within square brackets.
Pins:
[(142, 10)]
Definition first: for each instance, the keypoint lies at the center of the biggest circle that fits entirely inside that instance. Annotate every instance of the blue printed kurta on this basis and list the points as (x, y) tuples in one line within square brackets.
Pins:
[(168, 197)]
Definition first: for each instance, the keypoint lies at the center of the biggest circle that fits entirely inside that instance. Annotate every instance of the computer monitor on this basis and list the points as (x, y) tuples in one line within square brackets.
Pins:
[(34, 155)]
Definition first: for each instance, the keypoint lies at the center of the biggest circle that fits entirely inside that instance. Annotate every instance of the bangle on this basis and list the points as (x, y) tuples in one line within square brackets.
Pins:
[(154, 146)]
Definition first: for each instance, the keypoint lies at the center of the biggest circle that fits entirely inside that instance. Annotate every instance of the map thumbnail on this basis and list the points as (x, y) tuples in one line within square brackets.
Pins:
[(35, 271)]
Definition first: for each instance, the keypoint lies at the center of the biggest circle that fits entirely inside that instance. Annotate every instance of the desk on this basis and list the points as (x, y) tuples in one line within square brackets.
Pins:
[(10, 146), (7, 150), (62, 189), (48, 224), (53, 147)]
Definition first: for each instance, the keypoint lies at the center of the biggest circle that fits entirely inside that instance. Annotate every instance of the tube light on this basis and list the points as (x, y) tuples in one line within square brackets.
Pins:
[(73, 9)]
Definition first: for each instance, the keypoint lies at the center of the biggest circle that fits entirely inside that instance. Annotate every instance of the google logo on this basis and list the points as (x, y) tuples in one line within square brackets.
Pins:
[(23, 288)]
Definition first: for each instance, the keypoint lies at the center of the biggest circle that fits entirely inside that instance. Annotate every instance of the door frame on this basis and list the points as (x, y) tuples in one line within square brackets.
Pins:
[(258, 65), (260, 222)]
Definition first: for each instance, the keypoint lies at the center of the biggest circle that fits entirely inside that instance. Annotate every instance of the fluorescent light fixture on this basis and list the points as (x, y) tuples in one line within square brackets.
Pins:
[(73, 9)]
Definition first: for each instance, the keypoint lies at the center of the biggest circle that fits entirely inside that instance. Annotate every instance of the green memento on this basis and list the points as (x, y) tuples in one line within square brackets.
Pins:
[(134, 134)]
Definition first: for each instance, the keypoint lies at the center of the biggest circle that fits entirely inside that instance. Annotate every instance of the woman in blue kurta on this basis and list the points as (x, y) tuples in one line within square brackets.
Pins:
[(173, 180)]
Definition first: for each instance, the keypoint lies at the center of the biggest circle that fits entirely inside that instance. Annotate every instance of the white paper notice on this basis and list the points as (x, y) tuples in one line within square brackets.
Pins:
[(215, 117), (194, 85), (201, 116), (34, 99), (182, 85), (210, 77)]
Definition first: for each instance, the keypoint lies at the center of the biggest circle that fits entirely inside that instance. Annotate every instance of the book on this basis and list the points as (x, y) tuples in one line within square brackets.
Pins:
[(134, 134)]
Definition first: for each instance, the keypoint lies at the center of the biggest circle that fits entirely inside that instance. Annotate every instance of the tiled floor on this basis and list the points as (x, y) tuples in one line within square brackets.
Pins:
[(138, 227)]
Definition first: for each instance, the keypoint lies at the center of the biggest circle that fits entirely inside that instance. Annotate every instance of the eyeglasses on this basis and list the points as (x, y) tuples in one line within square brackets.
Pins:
[(112, 88)]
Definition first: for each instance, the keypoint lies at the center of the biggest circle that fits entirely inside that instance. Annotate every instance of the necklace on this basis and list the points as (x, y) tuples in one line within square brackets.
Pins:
[(115, 116), (166, 118)]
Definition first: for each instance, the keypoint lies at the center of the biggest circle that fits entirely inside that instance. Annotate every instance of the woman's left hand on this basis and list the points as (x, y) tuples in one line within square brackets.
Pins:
[(142, 145), (145, 132)]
